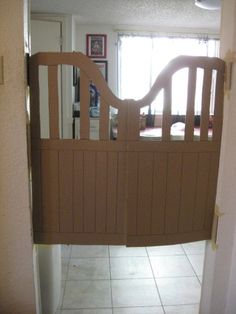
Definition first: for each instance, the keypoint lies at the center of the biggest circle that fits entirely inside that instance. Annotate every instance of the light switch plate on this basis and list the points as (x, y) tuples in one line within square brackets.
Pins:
[(1, 71)]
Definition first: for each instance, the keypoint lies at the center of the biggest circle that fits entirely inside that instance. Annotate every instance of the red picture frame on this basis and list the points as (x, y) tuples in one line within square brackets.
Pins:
[(96, 45)]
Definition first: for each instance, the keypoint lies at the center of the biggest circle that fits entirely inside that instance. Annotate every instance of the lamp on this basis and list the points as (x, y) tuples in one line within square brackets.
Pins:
[(208, 4)]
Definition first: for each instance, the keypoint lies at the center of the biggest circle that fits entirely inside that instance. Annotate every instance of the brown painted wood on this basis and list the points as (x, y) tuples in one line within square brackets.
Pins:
[(188, 188), (145, 187), (112, 168), (218, 112), (104, 131), (50, 191), (53, 102), (84, 106), (132, 192), (206, 94), (173, 192), (189, 125), (159, 193), (89, 184), (201, 191), (166, 121), (66, 191), (121, 194), (36, 190), (101, 191), (78, 191)]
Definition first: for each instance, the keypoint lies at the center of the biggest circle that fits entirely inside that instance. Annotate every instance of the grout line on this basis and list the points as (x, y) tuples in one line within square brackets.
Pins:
[(158, 292), (109, 254)]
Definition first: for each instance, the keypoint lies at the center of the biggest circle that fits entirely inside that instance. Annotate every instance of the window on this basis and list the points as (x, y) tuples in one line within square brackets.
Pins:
[(141, 59)]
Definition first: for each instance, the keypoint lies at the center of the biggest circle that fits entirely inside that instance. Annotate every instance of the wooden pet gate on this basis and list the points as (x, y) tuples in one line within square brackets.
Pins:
[(132, 190)]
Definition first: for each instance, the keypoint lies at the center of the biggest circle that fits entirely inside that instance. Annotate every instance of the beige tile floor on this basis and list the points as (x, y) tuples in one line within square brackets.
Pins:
[(120, 280)]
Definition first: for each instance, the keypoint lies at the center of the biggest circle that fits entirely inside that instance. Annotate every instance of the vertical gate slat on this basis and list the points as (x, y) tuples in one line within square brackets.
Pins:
[(201, 191), (122, 121), (111, 192), (159, 193), (132, 164), (166, 124), (50, 191), (53, 101), (188, 187), (144, 209), (66, 190), (189, 128), (84, 106), (78, 191), (89, 191), (101, 193), (104, 133), (173, 192), (133, 121), (121, 193), (212, 184), (36, 189), (218, 112), (206, 94)]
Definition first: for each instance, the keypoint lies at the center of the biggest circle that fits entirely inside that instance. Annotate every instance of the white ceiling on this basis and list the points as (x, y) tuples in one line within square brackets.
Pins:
[(154, 13)]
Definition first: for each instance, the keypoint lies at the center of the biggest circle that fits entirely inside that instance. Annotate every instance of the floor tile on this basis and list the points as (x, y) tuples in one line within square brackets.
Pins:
[(123, 251), (182, 309), (139, 310), (85, 311), (130, 267), (88, 268), (165, 250), (197, 262), (194, 247), (179, 291), (134, 292), (89, 251), (171, 266), (65, 250), (87, 294), (64, 268)]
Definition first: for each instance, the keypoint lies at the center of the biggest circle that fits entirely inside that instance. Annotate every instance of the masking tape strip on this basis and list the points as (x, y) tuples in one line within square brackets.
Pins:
[(217, 215)]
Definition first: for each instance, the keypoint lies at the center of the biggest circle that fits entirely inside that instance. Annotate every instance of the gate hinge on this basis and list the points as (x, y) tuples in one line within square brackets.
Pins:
[(230, 59), (217, 215)]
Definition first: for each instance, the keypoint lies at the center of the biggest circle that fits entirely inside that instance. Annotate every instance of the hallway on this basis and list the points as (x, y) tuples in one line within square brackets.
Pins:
[(120, 280)]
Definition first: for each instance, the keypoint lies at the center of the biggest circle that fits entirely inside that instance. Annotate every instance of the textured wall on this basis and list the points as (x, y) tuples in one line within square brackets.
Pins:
[(16, 261)]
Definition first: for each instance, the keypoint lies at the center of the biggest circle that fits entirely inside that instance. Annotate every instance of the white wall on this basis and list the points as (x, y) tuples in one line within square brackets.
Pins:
[(80, 44), (17, 293), (218, 292)]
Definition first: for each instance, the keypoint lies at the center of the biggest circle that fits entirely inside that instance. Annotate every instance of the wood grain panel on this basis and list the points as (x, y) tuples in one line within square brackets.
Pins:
[(212, 185), (66, 191), (132, 192), (101, 192), (166, 121), (89, 191), (173, 192), (206, 94), (84, 106), (53, 102), (78, 191), (189, 126), (159, 193), (188, 189), (145, 180), (112, 167), (50, 191), (201, 191), (218, 112), (121, 193), (36, 190), (104, 133)]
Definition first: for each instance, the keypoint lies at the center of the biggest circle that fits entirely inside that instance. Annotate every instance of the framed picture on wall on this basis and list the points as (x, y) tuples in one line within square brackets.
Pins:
[(102, 65), (96, 45)]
